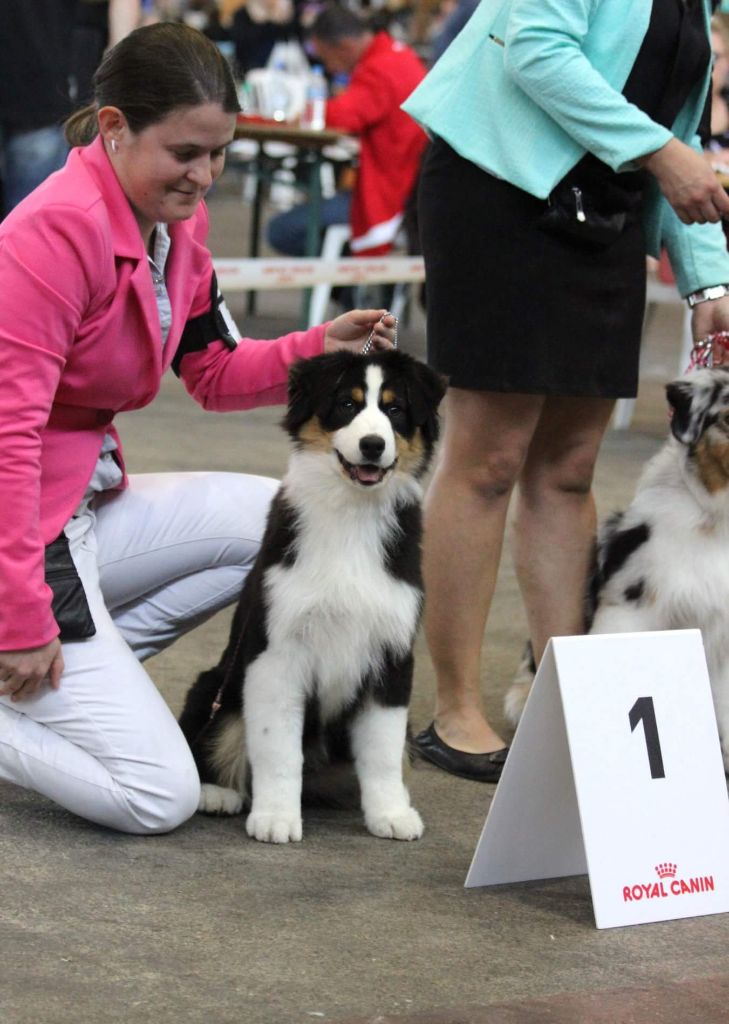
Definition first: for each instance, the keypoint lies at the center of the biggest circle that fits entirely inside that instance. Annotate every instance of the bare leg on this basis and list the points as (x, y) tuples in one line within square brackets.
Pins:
[(555, 518), (485, 442)]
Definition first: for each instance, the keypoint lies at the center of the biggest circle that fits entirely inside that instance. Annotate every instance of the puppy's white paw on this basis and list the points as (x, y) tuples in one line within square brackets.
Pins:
[(402, 824), (274, 827), (217, 800)]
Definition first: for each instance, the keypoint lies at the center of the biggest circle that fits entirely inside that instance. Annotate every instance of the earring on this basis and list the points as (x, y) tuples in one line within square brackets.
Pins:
[(114, 146)]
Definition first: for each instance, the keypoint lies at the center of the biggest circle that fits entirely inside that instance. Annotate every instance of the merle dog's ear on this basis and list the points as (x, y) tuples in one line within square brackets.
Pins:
[(688, 408), (424, 396)]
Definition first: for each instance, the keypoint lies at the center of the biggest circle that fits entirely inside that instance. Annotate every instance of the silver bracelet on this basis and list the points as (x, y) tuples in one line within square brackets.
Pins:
[(717, 291)]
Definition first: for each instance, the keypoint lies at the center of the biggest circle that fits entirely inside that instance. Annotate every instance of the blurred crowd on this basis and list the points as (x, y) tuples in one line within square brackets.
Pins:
[(252, 27), (49, 50)]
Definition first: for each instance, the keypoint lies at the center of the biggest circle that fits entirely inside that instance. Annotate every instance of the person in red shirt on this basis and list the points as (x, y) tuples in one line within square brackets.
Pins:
[(383, 73)]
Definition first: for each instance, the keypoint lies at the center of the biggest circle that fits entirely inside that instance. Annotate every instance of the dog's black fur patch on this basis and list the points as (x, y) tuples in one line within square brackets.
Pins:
[(635, 591)]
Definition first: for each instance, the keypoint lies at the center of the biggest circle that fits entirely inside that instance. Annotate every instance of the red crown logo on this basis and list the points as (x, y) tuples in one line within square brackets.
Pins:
[(667, 870)]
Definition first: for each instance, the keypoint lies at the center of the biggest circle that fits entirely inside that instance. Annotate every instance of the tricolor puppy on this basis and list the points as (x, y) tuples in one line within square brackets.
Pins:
[(664, 562), (319, 661)]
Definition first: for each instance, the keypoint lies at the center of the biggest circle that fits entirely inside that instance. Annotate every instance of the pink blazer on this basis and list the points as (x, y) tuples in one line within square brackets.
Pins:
[(80, 341)]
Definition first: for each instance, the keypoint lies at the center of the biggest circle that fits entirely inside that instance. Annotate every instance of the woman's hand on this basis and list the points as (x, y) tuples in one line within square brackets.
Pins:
[(351, 330), (22, 672), (710, 317), (688, 183)]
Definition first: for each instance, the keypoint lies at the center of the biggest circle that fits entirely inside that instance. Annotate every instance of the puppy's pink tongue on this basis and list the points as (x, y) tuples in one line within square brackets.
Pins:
[(368, 474)]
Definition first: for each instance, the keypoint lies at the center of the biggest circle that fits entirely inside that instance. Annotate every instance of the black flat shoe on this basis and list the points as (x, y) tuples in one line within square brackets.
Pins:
[(479, 767)]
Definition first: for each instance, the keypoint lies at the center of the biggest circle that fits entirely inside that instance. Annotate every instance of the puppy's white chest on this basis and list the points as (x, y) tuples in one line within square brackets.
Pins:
[(341, 604), (340, 611)]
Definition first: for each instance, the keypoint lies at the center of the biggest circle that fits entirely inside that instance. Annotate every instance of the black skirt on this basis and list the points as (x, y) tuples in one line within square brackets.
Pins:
[(511, 308)]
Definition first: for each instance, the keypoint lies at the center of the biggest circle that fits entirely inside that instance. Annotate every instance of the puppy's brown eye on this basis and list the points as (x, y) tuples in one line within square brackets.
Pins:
[(345, 404)]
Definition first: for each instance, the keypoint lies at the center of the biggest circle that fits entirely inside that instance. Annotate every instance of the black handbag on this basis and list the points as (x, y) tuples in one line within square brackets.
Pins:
[(70, 607), (595, 217)]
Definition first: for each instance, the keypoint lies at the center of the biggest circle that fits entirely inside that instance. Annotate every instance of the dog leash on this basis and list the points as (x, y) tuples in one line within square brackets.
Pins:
[(217, 700), (710, 351), (370, 340)]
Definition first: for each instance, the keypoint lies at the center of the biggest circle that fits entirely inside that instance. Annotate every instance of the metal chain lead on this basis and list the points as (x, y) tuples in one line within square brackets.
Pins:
[(368, 344)]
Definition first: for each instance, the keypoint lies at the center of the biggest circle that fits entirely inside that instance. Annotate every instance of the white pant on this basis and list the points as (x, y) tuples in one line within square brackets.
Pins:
[(155, 560)]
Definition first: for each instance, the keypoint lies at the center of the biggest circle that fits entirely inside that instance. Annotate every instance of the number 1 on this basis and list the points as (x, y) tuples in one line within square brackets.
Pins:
[(643, 711)]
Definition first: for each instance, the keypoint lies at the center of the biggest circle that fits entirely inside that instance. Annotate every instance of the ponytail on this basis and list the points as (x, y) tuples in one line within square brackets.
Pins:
[(81, 127)]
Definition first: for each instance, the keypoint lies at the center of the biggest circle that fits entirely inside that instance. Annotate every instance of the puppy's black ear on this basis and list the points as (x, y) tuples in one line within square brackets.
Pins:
[(425, 396), (302, 376), (310, 381), (688, 410)]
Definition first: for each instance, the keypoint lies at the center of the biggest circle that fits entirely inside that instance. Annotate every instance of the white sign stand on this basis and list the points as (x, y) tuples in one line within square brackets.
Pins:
[(616, 770)]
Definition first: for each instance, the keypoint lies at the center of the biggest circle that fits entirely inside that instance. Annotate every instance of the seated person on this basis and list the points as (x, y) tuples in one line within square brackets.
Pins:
[(383, 73)]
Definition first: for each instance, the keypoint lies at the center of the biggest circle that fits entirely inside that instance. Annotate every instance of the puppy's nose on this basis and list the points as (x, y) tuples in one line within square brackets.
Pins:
[(372, 446)]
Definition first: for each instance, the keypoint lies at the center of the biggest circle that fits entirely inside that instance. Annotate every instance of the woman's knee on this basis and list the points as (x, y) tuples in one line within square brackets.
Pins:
[(576, 476), (494, 477), (486, 441), (564, 451), (286, 233), (571, 474), (162, 802)]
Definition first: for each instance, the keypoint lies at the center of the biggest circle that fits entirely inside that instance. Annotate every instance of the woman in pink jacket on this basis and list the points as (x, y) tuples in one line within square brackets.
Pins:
[(106, 282)]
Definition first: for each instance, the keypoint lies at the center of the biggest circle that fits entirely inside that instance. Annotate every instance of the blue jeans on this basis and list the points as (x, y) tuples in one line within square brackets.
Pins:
[(286, 232), (26, 159)]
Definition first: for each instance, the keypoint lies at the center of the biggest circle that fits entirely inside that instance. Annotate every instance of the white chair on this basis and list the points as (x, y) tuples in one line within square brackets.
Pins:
[(336, 237)]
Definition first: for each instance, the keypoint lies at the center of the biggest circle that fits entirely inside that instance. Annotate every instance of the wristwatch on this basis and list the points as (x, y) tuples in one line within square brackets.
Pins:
[(717, 291)]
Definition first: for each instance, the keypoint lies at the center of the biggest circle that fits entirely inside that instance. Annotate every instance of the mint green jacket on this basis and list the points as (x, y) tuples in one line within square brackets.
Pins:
[(529, 86)]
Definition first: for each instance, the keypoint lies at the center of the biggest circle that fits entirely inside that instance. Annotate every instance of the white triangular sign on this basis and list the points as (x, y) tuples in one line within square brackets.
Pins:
[(533, 825), (616, 770)]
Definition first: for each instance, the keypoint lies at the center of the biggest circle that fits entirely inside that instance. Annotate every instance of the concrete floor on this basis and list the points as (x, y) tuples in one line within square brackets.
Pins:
[(207, 926)]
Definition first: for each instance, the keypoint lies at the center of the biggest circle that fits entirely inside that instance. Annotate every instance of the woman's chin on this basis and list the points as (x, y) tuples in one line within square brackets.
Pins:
[(182, 207)]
